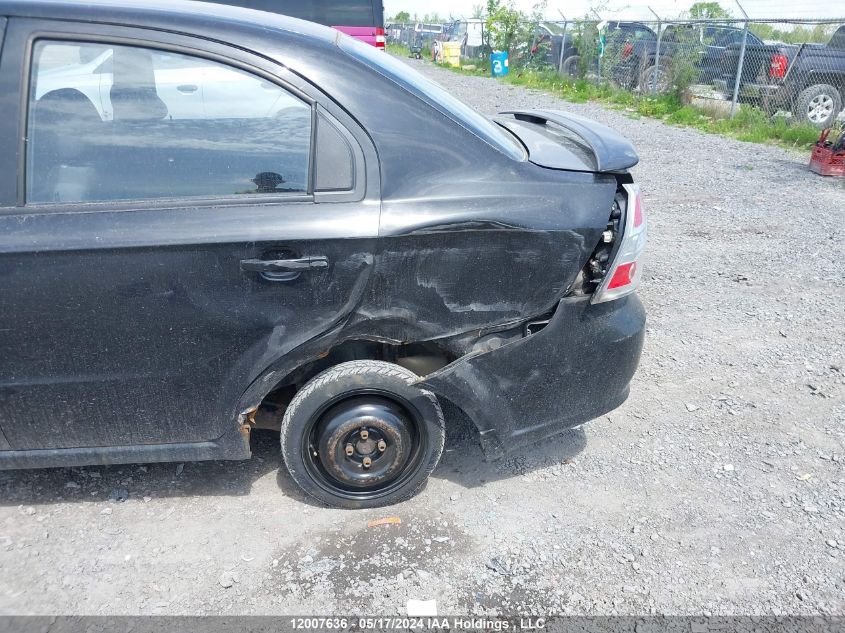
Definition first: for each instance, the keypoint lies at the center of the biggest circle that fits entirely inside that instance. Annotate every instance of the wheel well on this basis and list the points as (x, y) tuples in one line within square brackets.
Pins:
[(837, 81), (421, 358)]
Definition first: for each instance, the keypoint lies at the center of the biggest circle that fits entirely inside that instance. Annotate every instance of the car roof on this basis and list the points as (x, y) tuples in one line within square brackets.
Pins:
[(170, 14)]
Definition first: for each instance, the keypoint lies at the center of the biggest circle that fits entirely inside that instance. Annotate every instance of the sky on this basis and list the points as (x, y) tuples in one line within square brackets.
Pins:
[(771, 9)]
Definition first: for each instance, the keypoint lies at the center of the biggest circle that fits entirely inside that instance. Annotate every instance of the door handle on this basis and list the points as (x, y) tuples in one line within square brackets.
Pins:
[(187, 88), (284, 265)]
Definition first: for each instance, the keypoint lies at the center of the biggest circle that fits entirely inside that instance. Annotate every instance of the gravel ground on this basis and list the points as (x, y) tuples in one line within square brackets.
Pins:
[(718, 488)]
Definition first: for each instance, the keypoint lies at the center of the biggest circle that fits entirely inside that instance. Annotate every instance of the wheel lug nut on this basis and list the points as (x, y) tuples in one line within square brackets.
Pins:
[(382, 445), (364, 434), (367, 462), (349, 450)]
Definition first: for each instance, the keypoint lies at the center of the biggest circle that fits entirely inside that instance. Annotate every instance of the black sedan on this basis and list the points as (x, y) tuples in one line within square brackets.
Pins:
[(214, 219)]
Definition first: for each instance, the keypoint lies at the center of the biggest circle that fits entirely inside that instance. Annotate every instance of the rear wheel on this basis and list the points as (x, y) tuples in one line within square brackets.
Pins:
[(361, 435), (569, 68), (659, 84), (818, 105)]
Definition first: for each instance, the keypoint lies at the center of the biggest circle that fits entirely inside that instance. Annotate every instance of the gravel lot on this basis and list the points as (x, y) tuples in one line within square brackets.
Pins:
[(719, 487)]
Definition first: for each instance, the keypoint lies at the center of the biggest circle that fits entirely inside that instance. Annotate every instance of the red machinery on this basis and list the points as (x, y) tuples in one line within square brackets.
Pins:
[(828, 157)]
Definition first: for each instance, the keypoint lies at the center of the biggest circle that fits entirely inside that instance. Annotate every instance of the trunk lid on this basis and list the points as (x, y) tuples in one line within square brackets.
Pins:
[(559, 140)]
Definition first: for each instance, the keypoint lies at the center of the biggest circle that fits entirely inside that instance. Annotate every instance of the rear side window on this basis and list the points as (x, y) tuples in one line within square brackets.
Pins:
[(127, 123), (335, 165)]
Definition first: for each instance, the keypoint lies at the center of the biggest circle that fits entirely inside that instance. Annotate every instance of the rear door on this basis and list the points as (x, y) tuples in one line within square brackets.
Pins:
[(152, 266)]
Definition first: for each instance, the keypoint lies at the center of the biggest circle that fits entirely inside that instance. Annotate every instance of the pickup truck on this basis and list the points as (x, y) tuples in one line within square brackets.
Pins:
[(619, 35), (632, 51), (807, 79), (556, 37)]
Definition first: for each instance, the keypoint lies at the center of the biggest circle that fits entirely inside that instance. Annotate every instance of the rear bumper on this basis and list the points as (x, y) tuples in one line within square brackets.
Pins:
[(575, 369)]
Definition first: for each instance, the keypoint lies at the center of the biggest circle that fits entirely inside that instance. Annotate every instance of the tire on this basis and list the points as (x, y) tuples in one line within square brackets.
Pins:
[(664, 79), (627, 80), (570, 65), (359, 411), (818, 105)]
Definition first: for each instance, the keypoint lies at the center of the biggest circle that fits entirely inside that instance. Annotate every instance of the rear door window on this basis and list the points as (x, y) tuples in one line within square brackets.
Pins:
[(110, 122)]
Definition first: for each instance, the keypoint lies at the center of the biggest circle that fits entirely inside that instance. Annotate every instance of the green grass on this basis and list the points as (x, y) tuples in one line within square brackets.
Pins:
[(749, 124), (398, 49)]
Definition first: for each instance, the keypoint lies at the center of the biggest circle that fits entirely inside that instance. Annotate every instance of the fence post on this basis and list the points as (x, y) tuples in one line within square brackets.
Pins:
[(656, 72), (741, 63), (598, 44), (562, 44)]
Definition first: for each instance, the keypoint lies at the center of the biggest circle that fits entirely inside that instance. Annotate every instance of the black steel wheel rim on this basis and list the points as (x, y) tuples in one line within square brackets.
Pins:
[(364, 444)]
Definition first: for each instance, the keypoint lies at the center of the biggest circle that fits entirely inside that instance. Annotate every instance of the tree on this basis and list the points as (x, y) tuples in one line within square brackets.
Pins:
[(708, 11), (402, 16), (503, 23), (819, 34)]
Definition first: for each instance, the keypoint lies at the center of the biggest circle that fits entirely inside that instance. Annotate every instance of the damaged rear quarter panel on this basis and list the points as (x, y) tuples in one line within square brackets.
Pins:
[(490, 253)]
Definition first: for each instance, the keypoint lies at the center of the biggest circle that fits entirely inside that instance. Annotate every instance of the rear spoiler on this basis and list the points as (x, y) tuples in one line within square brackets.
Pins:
[(612, 151)]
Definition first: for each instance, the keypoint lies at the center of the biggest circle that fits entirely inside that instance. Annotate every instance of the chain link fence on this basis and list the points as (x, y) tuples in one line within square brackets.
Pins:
[(794, 69)]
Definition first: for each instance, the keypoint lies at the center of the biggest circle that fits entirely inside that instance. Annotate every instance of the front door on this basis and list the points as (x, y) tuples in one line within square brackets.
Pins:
[(135, 290)]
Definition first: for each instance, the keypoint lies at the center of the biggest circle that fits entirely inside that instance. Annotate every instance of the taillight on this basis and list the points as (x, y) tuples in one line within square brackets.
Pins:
[(777, 70), (624, 273), (381, 41), (627, 50)]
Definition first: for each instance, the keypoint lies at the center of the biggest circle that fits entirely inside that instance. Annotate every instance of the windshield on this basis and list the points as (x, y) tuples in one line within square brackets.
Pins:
[(433, 94)]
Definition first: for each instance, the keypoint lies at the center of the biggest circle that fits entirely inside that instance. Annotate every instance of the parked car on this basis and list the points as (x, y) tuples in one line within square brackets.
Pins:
[(633, 53), (808, 80), (362, 19), (184, 261)]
